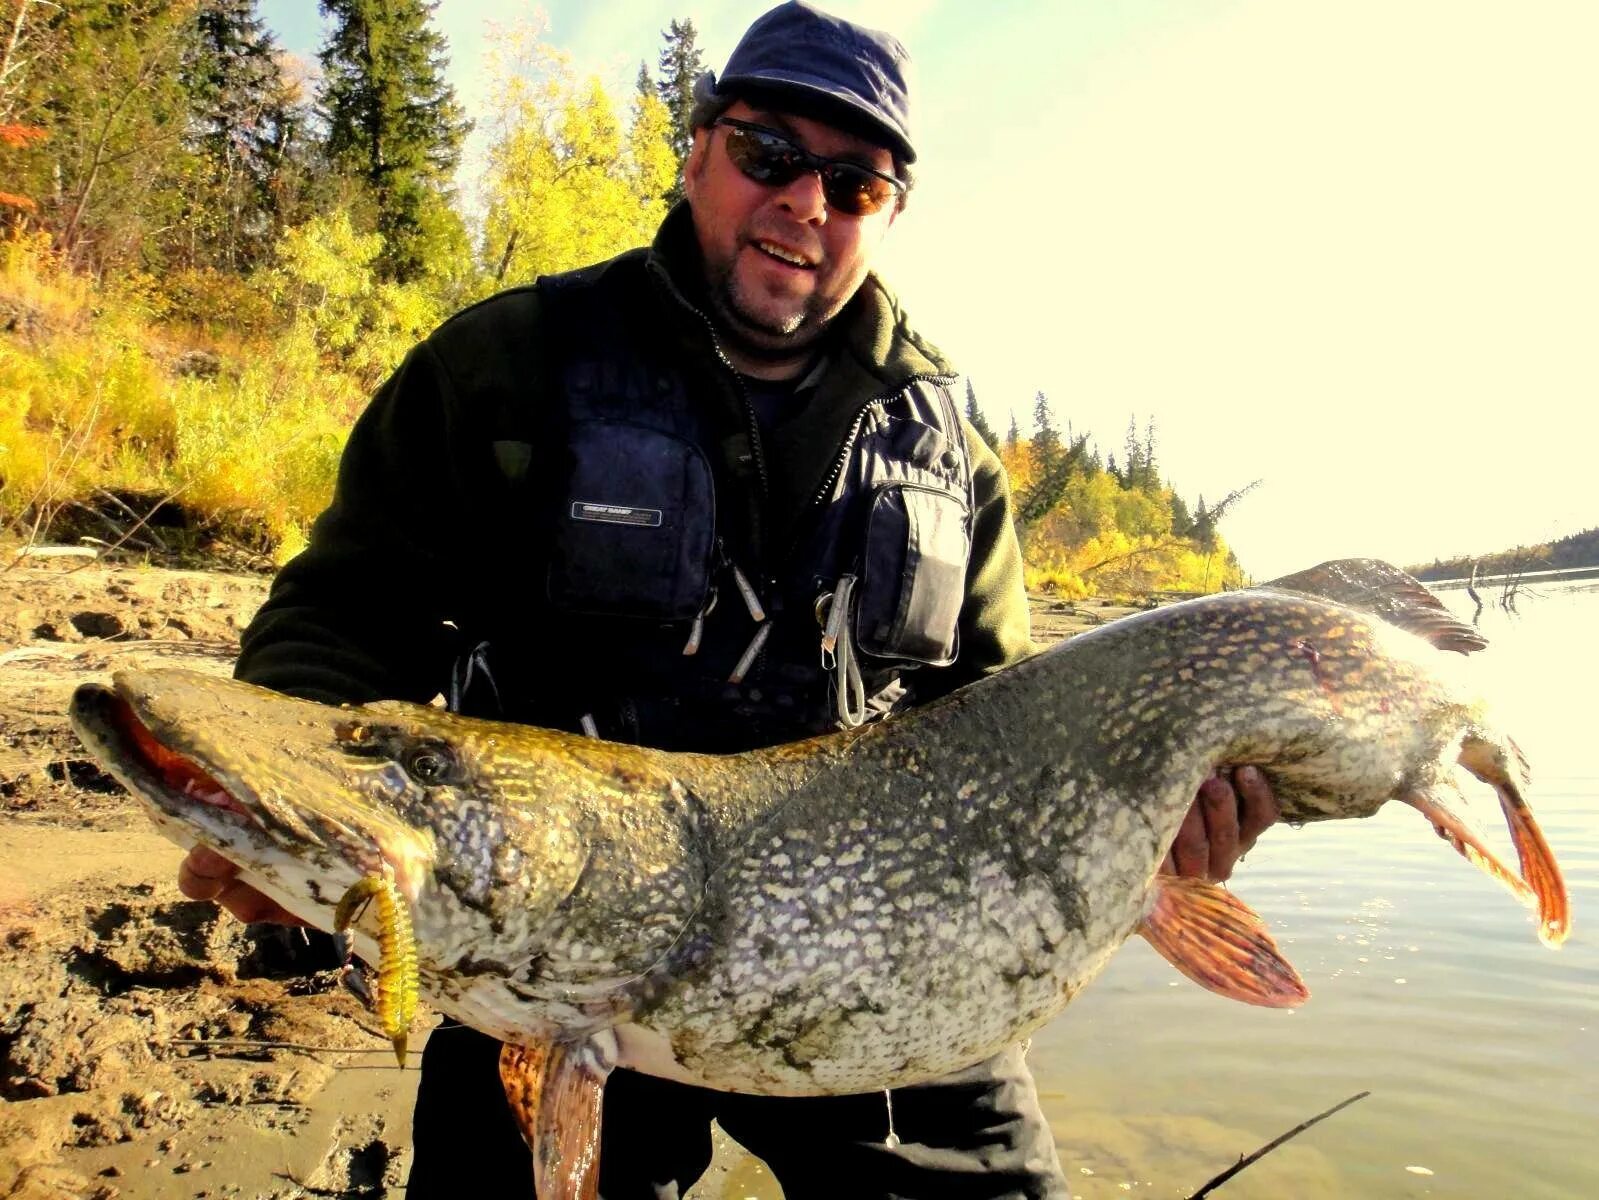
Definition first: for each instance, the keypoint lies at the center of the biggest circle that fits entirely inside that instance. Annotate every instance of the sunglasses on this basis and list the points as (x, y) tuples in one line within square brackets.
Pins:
[(769, 158)]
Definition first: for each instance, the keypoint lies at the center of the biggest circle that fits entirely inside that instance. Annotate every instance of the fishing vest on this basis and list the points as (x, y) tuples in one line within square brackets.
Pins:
[(658, 627)]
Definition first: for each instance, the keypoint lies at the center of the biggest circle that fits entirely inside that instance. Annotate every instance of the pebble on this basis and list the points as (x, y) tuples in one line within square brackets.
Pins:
[(1419, 1170)]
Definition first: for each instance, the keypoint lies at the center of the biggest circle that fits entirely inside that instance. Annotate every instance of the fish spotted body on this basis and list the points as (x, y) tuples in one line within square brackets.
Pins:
[(864, 910)]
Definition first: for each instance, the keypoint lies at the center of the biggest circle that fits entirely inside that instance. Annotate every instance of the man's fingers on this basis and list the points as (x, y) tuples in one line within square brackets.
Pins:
[(204, 873), (1191, 850), (1219, 805), (1257, 805), (248, 905)]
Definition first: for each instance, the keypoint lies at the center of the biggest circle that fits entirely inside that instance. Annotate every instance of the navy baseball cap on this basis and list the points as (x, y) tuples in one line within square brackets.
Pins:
[(818, 65)]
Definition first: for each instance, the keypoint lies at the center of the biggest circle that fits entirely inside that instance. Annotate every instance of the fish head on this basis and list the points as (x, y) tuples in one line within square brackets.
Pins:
[(307, 799)]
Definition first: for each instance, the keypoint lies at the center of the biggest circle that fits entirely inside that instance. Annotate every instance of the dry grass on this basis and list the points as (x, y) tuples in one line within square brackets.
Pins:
[(91, 401)]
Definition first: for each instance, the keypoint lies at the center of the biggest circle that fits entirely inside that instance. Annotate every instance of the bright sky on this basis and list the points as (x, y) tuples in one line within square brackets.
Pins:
[(1349, 247)]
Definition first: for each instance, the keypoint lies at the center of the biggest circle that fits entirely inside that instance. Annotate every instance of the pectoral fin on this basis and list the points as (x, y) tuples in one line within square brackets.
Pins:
[(555, 1090), (1216, 940)]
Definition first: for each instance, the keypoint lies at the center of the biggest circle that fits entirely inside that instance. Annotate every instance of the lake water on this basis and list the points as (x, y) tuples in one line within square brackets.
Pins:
[(1480, 1046)]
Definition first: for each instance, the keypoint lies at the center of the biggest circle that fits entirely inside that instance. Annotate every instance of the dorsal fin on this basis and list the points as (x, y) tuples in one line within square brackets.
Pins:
[(1374, 586)]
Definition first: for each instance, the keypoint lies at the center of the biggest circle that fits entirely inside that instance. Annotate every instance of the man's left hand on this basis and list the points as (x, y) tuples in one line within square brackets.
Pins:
[(1235, 806)]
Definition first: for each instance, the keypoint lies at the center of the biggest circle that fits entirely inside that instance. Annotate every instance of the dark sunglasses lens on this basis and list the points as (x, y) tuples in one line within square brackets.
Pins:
[(763, 157), (776, 162), (854, 191)]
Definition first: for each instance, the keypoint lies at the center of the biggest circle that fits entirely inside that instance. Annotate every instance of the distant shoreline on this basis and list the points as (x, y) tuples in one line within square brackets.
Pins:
[(1556, 575)]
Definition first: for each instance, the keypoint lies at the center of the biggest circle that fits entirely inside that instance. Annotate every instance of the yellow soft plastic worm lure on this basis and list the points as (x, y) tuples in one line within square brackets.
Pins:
[(395, 996)]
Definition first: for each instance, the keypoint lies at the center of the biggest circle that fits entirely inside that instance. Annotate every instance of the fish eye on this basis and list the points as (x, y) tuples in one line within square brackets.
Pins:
[(429, 764)]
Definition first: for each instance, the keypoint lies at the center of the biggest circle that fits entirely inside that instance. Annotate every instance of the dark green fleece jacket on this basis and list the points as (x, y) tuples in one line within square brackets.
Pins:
[(424, 539)]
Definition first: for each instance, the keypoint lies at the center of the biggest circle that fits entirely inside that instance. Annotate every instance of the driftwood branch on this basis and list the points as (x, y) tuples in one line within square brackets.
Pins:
[(1471, 590), (1213, 1184)]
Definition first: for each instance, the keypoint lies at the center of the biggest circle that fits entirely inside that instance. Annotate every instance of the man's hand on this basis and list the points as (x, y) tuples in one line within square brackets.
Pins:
[(206, 875), (1234, 807)]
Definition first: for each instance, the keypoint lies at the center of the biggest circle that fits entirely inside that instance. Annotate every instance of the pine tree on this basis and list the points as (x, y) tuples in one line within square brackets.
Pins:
[(681, 63), (1013, 436), (978, 422), (393, 122)]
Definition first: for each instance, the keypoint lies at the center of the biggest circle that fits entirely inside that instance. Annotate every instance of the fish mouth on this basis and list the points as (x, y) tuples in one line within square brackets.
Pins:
[(1539, 884), (163, 777), (193, 798)]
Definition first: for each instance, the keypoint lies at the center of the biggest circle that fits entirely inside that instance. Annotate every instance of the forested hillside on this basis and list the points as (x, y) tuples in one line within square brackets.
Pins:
[(1578, 550), (212, 252)]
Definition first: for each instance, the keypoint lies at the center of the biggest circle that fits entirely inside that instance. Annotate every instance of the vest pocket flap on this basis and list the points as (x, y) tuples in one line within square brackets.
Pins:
[(913, 576), (921, 445), (636, 531)]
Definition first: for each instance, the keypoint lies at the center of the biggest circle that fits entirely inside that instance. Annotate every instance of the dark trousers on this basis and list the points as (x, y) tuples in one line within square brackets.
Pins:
[(976, 1136)]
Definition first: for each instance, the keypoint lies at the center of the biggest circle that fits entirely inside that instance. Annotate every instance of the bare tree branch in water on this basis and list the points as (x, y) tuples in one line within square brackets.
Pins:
[(1515, 580)]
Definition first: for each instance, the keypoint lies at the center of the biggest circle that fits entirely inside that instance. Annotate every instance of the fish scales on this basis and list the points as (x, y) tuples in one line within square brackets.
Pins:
[(981, 906), (863, 910)]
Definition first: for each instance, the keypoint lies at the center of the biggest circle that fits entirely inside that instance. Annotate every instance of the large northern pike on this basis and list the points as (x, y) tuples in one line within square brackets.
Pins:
[(858, 911)]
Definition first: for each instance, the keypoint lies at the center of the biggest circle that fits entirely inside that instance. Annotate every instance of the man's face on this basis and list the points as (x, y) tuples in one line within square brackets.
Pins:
[(780, 262)]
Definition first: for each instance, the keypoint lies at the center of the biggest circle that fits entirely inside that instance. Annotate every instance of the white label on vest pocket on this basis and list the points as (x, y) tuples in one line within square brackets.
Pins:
[(614, 514)]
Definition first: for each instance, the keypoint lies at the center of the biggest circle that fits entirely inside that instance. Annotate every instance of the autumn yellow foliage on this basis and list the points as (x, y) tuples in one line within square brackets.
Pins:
[(1105, 539), (93, 400), (99, 392)]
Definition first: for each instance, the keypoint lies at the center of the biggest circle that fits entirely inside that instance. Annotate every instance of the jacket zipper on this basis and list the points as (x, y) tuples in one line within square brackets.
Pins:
[(751, 423)]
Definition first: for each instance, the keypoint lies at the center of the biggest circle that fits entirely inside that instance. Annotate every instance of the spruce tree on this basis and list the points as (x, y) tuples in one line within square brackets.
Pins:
[(681, 63), (1054, 463), (393, 121), (245, 122), (1132, 456), (974, 415), (1149, 479), (1182, 523), (1204, 531)]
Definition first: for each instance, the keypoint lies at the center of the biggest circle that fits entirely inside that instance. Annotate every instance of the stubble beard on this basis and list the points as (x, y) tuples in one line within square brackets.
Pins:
[(756, 335)]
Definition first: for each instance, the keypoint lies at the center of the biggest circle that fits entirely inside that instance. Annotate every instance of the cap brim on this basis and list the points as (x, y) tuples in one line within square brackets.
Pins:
[(827, 103)]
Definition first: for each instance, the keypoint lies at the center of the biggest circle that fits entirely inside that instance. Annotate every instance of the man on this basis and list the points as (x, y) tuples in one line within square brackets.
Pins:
[(712, 495)]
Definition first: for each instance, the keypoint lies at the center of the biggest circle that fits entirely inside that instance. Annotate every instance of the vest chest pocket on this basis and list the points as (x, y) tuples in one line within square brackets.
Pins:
[(636, 534), (913, 577)]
